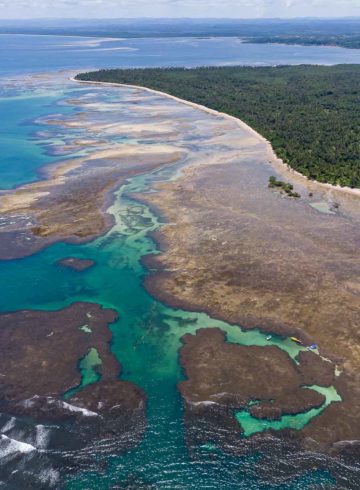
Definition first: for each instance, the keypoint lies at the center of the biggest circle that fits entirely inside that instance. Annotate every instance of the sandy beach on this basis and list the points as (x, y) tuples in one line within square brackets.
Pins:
[(273, 159)]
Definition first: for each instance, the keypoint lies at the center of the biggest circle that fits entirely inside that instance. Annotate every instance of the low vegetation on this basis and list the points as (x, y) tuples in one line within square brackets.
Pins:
[(283, 187), (310, 114)]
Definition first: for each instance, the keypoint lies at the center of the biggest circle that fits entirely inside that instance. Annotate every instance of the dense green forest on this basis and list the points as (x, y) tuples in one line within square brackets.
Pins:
[(311, 114)]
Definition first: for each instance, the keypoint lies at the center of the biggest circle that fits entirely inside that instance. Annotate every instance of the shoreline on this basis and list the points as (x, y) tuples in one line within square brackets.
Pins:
[(277, 163)]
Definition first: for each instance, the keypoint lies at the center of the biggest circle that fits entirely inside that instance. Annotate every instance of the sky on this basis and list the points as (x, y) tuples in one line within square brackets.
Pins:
[(15, 9)]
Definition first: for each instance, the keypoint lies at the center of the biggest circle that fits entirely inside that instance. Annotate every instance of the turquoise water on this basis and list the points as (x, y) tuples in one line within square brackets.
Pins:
[(89, 367), (22, 155)]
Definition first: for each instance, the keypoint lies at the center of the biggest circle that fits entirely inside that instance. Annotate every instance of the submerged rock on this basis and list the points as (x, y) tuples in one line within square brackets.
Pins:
[(76, 264)]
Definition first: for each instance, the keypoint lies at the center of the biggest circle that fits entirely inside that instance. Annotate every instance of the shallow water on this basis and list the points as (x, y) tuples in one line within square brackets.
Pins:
[(16, 130), (252, 425), (323, 207)]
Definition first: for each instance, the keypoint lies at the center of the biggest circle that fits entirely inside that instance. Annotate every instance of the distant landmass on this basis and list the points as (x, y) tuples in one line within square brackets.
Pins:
[(309, 31)]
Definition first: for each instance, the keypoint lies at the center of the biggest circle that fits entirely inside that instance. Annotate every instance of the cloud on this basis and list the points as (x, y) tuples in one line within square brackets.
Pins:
[(178, 8)]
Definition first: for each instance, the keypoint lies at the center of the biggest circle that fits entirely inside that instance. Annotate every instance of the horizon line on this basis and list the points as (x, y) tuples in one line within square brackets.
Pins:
[(148, 18)]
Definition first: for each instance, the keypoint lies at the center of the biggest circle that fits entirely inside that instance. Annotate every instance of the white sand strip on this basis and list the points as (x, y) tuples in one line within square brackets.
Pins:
[(276, 162)]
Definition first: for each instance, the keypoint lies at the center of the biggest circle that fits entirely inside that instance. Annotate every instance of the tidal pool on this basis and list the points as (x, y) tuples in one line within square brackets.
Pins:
[(252, 425), (88, 366), (323, 207)]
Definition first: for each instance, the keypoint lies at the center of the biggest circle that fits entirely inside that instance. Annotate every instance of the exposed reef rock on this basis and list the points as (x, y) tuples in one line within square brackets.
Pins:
[(316, 370), (70, 201), (246, 256), (224, 378), (288, 404), (40, 352), (254, 259)]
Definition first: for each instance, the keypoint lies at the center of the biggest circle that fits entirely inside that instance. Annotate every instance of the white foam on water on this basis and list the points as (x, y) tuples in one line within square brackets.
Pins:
[(42, 436), (84, 411), (11, 446), (10, 424), (205, 402), (66, 406), (49, 476)]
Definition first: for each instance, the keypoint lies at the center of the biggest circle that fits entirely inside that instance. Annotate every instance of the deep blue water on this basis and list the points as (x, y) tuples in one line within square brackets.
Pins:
[(24, 53)]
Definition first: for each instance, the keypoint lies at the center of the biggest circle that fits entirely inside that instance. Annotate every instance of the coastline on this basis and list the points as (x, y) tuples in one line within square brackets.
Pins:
[(314, 375), (276, 162)]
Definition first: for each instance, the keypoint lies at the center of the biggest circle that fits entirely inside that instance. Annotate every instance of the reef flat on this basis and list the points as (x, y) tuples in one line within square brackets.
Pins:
[(102, 144), (70, 204), (253, 258), (221, 377)]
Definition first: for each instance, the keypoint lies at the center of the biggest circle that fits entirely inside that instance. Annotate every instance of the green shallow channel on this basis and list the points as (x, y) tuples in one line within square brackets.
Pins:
[(89, 368)]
